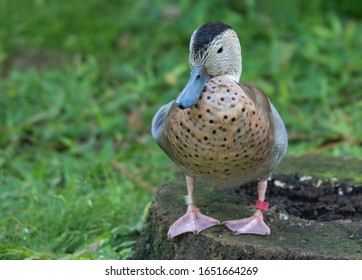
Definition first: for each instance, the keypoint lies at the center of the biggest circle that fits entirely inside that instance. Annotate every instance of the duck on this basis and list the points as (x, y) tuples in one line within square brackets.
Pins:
[(220, 131)]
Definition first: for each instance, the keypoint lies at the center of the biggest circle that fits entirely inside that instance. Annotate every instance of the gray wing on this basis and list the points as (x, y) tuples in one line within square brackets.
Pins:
[(280, 136), (158, 122)]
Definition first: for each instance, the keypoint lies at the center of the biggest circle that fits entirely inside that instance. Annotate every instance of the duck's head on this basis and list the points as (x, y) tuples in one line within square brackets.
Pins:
[(214, 51)]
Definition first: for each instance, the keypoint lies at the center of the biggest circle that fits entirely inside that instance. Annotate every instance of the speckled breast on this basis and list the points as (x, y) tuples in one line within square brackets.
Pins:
[(223, 139)]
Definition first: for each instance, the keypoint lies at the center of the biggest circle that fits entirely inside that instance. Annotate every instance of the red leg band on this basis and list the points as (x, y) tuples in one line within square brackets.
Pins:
[(261, 205)]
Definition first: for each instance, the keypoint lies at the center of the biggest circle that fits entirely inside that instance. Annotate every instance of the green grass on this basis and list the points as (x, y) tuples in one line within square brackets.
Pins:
[(81, 80)]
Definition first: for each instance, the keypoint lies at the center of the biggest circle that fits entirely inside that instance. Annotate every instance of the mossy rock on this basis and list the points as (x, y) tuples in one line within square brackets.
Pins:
[(315, 213)]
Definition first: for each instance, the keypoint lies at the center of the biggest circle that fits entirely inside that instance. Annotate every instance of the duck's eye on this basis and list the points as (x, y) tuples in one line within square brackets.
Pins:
[(220, 50), (198, 77)]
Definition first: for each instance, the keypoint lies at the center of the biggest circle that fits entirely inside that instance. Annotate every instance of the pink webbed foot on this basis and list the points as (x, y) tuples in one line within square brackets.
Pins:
[(192, 221), (253, 225)]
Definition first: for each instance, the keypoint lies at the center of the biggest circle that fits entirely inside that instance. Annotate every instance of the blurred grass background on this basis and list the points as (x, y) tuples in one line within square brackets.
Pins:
[(81, 80)]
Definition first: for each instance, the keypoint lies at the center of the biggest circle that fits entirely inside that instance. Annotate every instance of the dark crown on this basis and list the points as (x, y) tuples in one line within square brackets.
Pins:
[(206, 33)]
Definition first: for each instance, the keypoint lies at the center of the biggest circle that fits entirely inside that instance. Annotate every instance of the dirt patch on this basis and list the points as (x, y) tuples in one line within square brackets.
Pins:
[(310, 198)]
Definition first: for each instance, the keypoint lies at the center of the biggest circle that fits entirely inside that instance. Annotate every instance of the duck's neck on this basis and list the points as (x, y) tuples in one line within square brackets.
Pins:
[(236, 70), (235, 76)]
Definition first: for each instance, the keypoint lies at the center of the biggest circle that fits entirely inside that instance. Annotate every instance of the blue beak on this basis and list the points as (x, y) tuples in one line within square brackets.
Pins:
[(192, 91)]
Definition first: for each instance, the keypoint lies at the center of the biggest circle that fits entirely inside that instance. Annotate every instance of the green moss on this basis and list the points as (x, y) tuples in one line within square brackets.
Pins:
[(323, 167)]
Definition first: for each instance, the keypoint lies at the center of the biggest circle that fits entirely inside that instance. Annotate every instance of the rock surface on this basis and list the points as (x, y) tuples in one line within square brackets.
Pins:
[(315, 213)]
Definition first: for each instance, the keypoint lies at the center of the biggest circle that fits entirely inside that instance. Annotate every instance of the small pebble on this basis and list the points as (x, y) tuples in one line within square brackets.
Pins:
[(279, 184), (305, 178), (334, 181), (319, 183), (283, 216), (340, 191)]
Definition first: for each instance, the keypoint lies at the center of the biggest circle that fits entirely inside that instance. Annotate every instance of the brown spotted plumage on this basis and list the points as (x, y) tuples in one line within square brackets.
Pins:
[(219, 131), (224, 137)]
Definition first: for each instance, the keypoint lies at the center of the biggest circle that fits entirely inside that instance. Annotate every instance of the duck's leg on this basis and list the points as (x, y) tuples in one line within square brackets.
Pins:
[(193, 220), (255, 224)]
